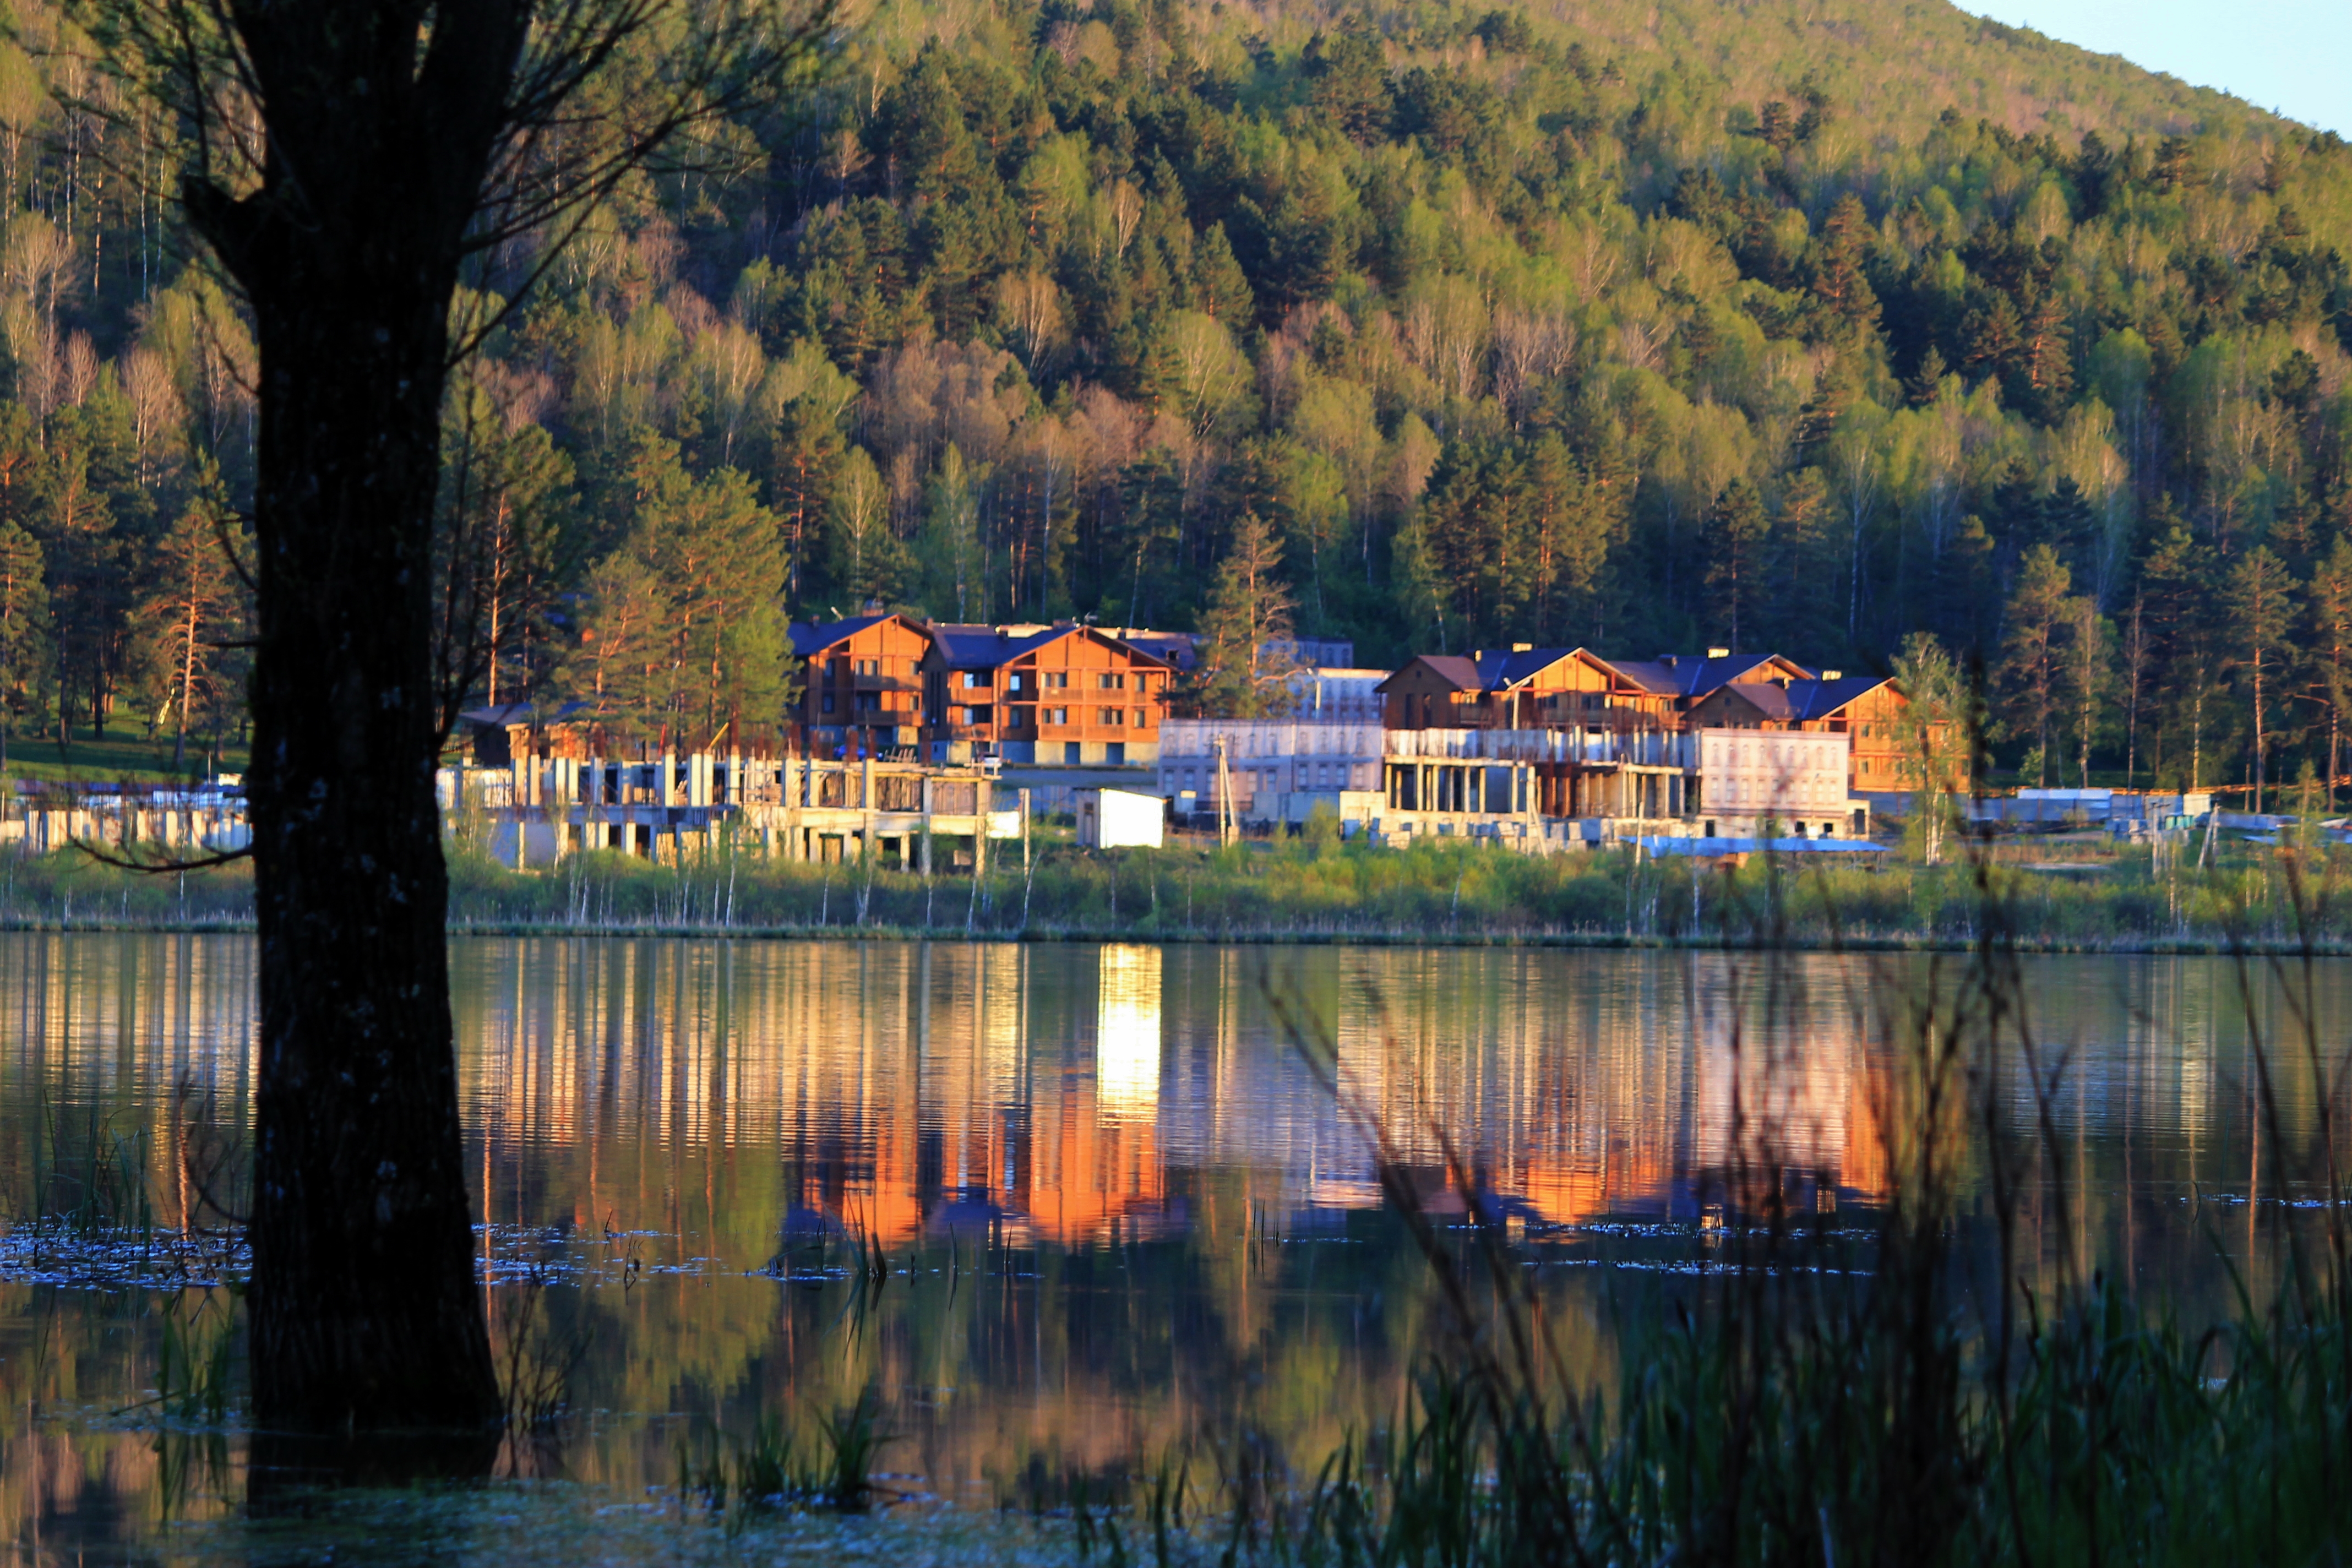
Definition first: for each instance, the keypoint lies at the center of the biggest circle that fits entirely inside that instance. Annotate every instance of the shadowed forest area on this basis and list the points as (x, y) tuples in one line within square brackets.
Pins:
[(1635, 326)]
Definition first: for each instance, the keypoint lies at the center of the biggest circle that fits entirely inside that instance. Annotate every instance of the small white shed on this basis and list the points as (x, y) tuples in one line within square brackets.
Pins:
[(1119, 819)]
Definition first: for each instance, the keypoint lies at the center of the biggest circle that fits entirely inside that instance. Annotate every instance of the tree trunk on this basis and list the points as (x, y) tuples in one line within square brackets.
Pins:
[(364, 1308), (365, 1313)]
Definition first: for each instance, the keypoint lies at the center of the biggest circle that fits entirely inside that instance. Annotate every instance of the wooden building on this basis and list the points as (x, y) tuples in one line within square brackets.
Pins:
[(1529, 688), (861, 686), (1063, 694), (1524, 688), (1867, 710), (1685, 680)]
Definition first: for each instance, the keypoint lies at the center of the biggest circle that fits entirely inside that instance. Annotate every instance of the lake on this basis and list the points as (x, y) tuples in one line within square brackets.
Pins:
[(1063, 1209)]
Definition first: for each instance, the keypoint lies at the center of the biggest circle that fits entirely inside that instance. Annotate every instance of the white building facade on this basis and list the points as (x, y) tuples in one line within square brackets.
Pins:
[(1794, 779), (1265, 758)]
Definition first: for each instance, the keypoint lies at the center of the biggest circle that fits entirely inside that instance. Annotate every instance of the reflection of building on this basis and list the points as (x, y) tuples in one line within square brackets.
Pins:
[(1050, 1091), (1127, 1032)]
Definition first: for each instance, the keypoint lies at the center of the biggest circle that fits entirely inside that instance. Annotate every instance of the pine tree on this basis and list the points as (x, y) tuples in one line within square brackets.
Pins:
[(24, 630), (2032, 671), (1838, 280), (511, 545), (1802, 607), (1350, 81), (619, 668), (810, 457), (1736, 531), (2327, 649), (2090, 675), (716, 553), (194, 605), (1241, 670), (2177, 584), (2258, 611), (1221, 290)]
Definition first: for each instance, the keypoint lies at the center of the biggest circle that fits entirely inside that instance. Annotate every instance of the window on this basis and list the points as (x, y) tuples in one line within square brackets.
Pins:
[(975, 679), (869, 666), (827, 704), (1110, 681), (1110, 715), (1055, 715), (1057, 678), (1138, 719), (1014, 683)]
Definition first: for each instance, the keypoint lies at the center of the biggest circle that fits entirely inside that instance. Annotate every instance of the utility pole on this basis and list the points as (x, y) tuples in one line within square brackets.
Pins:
[(1228, 829)]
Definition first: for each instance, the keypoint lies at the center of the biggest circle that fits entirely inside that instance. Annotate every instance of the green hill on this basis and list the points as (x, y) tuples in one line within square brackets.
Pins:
[(1815, 326)]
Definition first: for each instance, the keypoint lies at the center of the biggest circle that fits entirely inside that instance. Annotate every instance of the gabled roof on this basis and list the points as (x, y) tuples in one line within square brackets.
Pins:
[(1501, 671), (810, 640), (1803, 701), (520, 715), (1460, 673), (1180, 650), (1691, 676), (1767, 697), (1823, 699), (987, 647)]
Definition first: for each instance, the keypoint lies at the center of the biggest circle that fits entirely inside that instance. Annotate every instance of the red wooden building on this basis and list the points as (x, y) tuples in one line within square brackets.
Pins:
[(1064, 693), (861, 686)]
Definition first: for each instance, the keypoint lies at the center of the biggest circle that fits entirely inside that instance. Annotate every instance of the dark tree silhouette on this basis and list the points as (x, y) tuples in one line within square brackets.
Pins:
[(346, 161)]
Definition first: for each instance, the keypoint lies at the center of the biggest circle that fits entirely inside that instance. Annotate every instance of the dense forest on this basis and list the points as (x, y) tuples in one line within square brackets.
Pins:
[(1811, 328)]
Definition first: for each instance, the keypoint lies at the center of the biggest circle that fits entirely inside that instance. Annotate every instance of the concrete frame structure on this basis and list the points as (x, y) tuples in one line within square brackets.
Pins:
[(792, 809)]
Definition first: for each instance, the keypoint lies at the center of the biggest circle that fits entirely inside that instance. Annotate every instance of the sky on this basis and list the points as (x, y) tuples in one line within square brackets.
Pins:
[(2293, 56)]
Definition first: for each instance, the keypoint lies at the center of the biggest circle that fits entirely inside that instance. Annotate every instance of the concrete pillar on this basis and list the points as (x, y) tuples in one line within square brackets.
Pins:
[(927, 825)]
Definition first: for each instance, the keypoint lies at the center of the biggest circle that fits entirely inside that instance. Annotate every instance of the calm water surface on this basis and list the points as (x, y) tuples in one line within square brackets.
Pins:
[(1119, 1212)]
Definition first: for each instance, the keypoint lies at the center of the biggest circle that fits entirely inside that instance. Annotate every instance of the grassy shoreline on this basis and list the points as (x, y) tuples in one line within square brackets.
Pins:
[(2077, 897), (1576, 942), (1302, 892)]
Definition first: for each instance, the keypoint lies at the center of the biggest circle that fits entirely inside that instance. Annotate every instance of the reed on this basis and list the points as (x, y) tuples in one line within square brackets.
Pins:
[(2060, 895), (1834, 1393)]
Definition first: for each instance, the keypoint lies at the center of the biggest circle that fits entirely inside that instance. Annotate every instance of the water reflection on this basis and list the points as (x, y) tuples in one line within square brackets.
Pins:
[(1119, 1210)]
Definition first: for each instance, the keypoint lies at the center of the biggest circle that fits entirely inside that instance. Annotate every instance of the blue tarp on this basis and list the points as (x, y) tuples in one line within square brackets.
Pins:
[(1661, 846)]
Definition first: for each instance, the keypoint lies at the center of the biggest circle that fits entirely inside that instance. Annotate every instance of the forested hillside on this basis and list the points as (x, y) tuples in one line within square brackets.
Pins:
[(1806, 326)]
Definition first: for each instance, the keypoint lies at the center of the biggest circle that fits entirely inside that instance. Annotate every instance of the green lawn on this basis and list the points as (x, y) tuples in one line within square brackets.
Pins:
[(123, 755)]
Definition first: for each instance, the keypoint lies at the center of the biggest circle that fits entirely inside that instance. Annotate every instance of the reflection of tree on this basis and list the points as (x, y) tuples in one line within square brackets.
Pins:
[(1096, 1283)]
